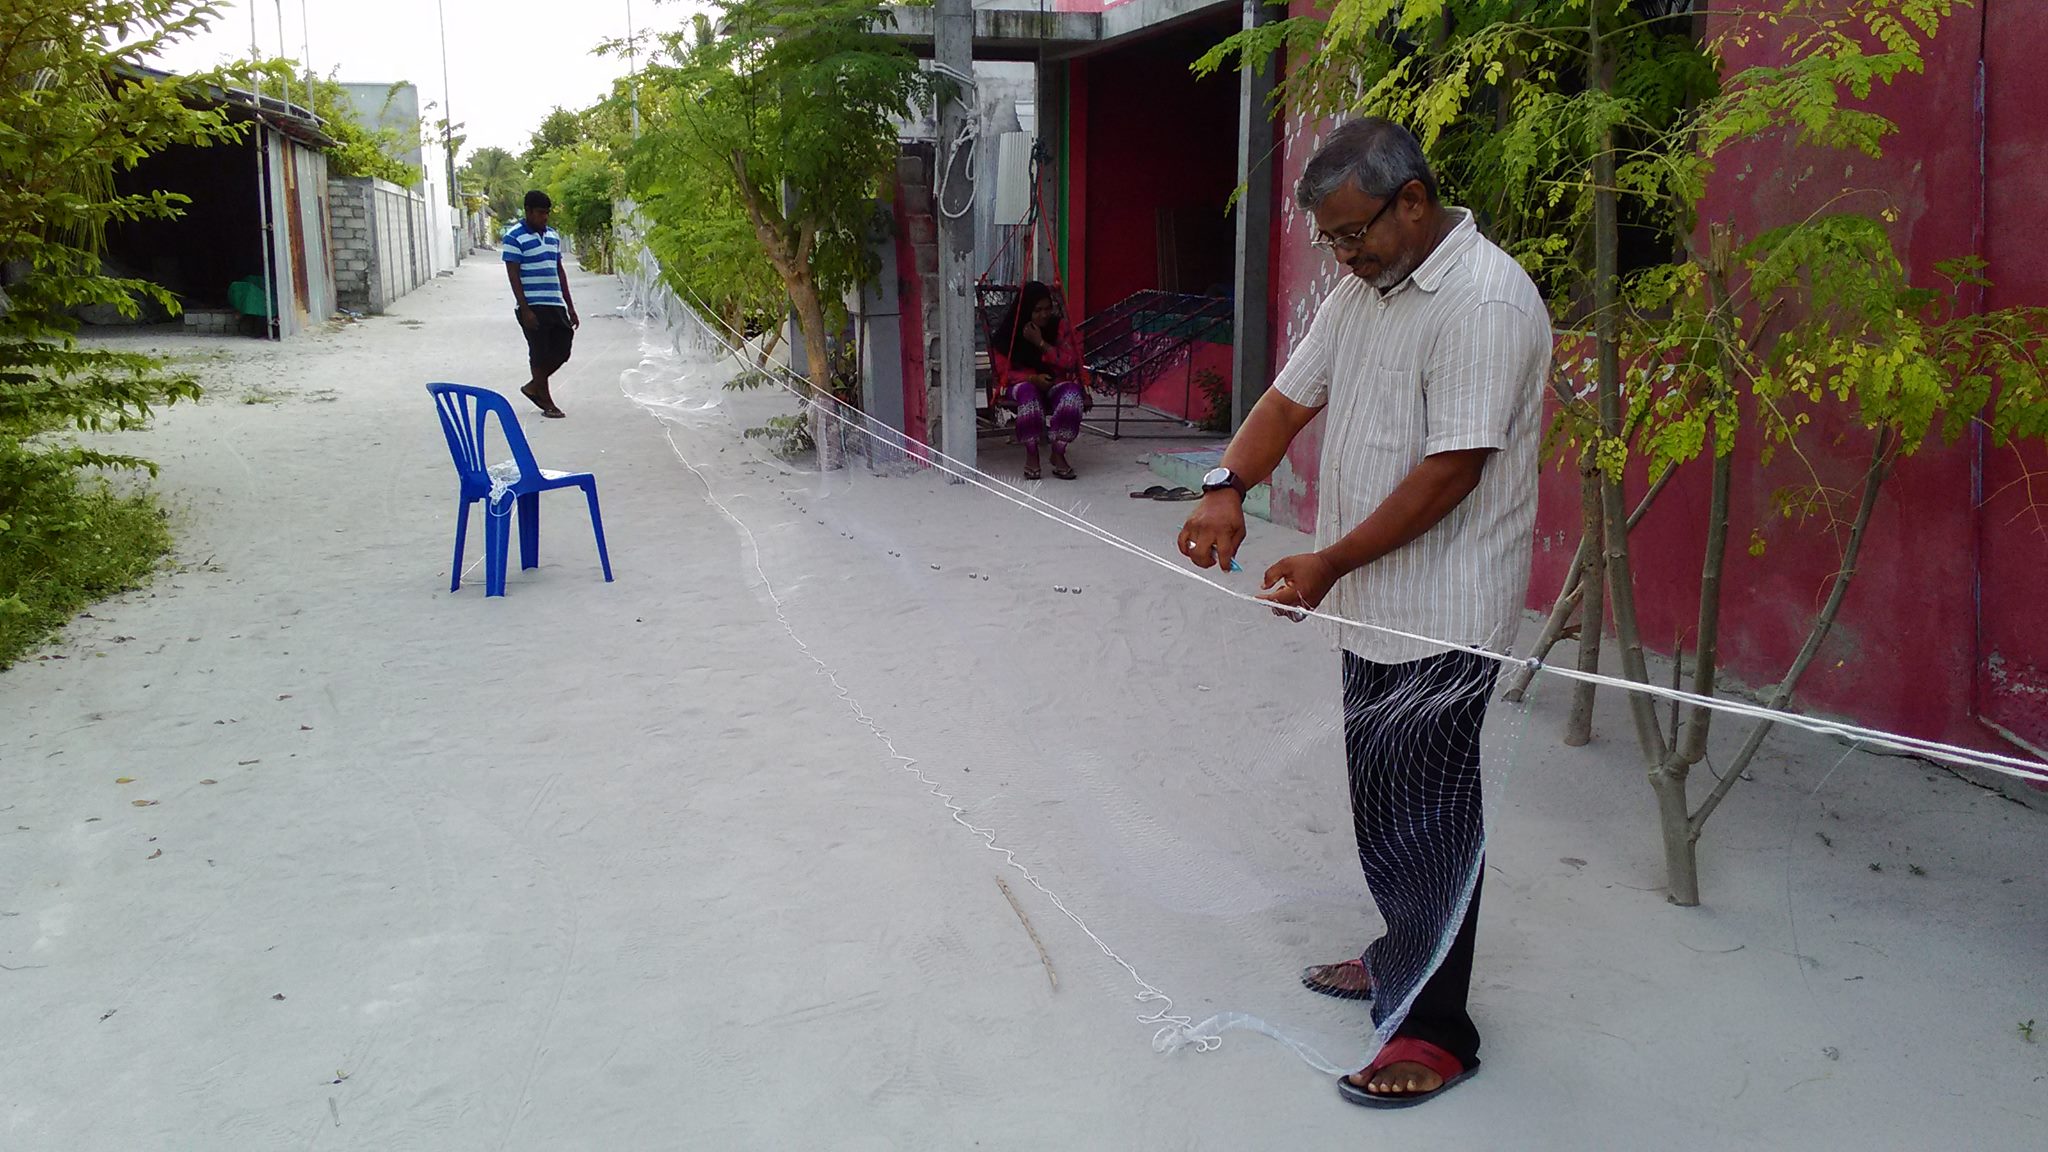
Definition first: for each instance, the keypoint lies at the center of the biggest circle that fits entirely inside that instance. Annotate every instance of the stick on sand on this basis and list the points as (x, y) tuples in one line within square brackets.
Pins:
[(1031, 932)]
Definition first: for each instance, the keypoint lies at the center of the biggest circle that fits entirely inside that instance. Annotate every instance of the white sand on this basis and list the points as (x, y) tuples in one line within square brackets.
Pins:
[(615, 867)]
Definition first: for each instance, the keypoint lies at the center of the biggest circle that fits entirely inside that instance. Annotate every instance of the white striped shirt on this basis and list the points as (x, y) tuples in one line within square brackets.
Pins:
[(1454, 357), (539, 256)]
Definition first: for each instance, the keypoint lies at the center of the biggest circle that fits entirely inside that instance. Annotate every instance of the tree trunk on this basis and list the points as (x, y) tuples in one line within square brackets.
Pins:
[(1689, 742), (1569, 596), (1606, 273), (821, 407), (1578, 724), (1822, 625), (788, 245), (1554, 627), (1620, 573), (1692, 739)]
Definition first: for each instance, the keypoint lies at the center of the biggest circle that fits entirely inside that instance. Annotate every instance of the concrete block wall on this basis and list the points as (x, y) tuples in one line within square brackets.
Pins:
[(353, 238), (212, 323), (380, 242)]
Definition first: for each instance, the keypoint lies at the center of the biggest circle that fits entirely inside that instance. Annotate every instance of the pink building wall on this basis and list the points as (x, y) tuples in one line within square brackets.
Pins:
[(1939, 637)]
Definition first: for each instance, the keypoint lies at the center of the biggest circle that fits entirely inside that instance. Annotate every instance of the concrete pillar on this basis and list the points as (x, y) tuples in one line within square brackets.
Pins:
[(879, 311), (953, 48), (373, 274), (1251, 353)]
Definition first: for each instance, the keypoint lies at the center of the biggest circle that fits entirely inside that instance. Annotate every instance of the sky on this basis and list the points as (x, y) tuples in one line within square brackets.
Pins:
[(509, 61)]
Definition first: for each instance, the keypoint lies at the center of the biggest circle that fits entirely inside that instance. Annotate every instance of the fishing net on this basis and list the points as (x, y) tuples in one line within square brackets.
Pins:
[(1157, 764)]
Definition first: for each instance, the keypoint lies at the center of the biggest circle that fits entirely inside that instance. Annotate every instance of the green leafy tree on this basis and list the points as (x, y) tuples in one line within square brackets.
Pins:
[(75, 109), (787, 111), (1573, 125), (560, 129), (692, 223), (706, 249), (584, 181), (499, 178), (609, 122)]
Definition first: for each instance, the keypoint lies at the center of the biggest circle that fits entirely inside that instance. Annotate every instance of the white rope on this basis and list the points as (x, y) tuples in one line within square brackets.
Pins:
[(2014, 766), (967, 140)]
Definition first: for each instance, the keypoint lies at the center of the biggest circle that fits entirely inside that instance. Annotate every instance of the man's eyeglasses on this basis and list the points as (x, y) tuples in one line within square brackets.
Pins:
[(1351, 239)]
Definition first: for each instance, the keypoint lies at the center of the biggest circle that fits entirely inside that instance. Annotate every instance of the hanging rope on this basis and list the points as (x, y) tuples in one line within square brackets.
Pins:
[(965, 142)]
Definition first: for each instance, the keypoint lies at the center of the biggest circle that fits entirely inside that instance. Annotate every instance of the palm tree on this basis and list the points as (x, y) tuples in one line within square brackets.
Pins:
[(499, 176)]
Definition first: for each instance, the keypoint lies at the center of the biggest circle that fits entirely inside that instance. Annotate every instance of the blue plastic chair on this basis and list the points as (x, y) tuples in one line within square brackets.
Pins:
[(465, 414)]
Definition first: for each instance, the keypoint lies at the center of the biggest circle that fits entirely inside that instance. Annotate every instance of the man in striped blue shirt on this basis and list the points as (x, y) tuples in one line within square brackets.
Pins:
[(533, 262)]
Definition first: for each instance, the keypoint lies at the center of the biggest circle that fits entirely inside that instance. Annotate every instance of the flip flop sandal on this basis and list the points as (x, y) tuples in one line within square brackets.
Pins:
[(1152, 493), (1064, 473), (1179, 494), (546, 409), (1407, 1049), (1032, 474), (1310, 979)]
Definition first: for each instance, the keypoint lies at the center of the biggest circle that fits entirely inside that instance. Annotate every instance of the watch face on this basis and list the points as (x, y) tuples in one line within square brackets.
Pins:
[(1217, 478)]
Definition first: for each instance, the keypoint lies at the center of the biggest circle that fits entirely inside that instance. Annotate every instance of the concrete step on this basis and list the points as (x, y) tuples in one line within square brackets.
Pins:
[(1186, 469)]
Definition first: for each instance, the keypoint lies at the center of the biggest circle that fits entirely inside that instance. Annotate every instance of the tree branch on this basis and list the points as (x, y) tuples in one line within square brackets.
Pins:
[(1873, 479)]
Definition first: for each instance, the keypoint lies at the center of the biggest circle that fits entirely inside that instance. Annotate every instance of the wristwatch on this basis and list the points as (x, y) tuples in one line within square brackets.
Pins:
[(1219, 479)]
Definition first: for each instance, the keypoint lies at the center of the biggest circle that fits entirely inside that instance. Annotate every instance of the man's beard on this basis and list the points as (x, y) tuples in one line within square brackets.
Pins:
[(1392, 275)]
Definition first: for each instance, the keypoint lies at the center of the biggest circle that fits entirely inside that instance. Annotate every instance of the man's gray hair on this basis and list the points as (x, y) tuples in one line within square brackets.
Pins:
[(1378, 155)]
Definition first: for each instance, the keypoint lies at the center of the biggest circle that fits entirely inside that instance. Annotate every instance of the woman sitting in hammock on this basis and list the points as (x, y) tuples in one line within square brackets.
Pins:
[(1043, 372)]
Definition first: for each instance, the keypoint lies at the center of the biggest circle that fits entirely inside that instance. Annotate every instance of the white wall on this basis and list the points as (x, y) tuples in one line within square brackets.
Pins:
[(444, 250)]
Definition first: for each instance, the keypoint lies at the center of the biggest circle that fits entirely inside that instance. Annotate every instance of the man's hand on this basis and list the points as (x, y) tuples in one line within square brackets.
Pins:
[(575, 321), (1299, 581), (1214, 531), (527, 317)]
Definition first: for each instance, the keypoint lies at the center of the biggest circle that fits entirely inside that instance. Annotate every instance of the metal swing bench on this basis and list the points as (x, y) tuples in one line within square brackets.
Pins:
[(1124, 349), (1138, 341)]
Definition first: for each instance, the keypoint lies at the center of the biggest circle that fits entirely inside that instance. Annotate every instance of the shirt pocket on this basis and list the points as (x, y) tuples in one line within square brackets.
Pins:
[(1391, 414)]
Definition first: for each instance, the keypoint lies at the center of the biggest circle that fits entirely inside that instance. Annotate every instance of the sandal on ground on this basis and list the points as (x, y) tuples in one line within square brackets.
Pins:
[(1406, 1050), (1314, 978), (1153, 493), (1063, 471), (1032, 474), (547, 408)]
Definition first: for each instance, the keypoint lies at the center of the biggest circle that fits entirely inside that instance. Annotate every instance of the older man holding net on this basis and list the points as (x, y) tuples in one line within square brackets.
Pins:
[(1430, 361)]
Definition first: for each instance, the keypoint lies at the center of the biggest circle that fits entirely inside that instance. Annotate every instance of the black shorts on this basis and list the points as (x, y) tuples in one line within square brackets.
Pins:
[(548, 341)]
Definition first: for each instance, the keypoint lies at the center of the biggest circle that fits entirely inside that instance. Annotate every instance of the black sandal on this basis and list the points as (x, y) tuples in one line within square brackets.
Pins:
[(1407, 1050), (1312, 979)]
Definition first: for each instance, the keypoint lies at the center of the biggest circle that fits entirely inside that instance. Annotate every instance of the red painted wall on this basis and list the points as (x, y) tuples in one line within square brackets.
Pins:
[(910, 326), (1301, 277), (1178, 391), (1912, 650), (1155, 137), (2012, 517)]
